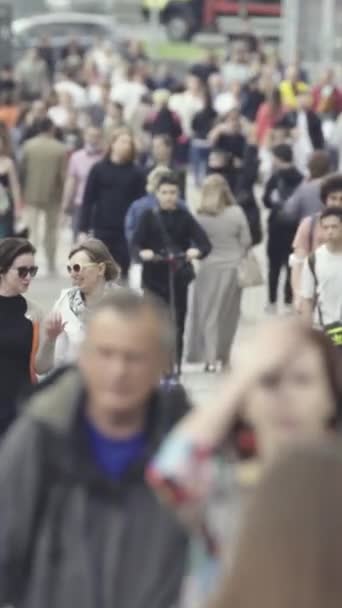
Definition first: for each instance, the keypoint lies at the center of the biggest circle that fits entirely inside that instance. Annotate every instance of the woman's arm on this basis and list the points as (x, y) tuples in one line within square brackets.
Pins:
[(15, 188), (52, 329), (199, 237)]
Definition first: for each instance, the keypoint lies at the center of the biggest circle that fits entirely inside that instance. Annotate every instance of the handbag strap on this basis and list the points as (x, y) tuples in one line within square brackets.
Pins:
[(313, 224), (167, 240)]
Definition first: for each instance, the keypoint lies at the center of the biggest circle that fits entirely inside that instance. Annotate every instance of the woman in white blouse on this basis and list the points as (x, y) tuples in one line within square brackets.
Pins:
[(93, 272)]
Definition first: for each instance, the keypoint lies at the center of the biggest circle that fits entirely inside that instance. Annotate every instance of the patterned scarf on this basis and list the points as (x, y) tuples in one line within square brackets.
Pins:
[(77, 302)]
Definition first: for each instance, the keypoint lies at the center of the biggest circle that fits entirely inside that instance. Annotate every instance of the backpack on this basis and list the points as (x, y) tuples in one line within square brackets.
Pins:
[(332, 330)]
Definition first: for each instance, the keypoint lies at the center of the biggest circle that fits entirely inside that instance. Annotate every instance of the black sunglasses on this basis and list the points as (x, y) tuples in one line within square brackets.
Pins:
[(24, 271)]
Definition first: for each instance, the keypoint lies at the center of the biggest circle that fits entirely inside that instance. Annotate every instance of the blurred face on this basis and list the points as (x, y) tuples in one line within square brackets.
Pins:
[(84, 273), (66, 100), (168, 196), (122, 149), (121, 362), (304, 101), (292, 73), (38, 110), (328, 77), (93, 138), (193, 84), (160, 151), (233, 122), (293, 406), (216, 83), (332, 230), (18, 278), (334, 199)]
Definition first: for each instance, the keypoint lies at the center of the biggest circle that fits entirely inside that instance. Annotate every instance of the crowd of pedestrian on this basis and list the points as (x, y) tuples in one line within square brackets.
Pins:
[(113, 489)]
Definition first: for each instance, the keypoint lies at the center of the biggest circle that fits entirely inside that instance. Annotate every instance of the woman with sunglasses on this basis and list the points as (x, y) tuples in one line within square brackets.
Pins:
[(93, 272), (19, 326)]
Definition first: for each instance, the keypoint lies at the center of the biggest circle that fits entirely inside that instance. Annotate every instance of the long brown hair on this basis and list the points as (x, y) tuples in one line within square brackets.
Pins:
[(289, 552), (115, 136)]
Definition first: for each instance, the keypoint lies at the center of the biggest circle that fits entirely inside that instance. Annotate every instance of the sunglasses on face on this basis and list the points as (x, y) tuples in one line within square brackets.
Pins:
[(24, 271), (77, 268)]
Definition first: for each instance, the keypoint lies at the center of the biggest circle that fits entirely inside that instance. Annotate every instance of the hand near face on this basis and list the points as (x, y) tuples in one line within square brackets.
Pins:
[(270, 349)]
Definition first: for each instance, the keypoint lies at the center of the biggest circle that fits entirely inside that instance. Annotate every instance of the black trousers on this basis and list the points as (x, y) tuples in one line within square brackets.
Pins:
[(178, 311), (118, 249), (276, 263), (181, 307)]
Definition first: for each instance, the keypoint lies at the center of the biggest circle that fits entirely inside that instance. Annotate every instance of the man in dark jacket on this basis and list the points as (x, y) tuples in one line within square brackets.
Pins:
[(170, 231), (281, 230), (79, 525), (306, 126)]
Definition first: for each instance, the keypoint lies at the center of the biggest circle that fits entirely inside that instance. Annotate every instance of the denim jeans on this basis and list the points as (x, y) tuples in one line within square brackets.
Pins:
[(199, 154)]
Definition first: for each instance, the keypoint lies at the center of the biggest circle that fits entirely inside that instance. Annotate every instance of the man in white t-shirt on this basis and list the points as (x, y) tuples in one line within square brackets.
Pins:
[(321, 286)]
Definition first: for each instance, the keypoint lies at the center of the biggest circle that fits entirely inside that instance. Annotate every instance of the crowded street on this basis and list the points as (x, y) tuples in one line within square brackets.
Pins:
[(170, 304)]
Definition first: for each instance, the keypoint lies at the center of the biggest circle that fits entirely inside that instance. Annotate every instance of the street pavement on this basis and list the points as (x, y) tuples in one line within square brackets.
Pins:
[(46, 289)]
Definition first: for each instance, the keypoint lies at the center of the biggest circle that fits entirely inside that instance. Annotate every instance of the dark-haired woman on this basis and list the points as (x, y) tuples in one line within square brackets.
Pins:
[(93, 272), (19, 326), (113, 184)]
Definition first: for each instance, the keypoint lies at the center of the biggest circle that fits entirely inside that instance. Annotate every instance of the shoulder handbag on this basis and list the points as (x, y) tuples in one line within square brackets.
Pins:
[(184, 270), (249, 271), (332, 330)]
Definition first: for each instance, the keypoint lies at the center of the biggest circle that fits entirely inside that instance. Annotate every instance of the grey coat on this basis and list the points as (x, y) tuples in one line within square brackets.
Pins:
[(71, 538), (215, 306)]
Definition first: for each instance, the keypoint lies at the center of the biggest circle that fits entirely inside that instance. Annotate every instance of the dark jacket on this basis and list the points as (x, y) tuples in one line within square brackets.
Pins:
[(164, 122), (184, 231), (70, 537), (314, 127), (109, 192), (279, 188), (203, 122), (137, 210)]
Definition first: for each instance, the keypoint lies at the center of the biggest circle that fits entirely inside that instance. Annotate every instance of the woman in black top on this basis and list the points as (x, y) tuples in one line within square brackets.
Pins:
[(113, 184), (202, 124), (228, 137), (19, 326)]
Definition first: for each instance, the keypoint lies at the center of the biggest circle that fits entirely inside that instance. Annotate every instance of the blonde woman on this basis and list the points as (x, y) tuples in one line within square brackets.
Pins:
[(215, 307), (93, 273)]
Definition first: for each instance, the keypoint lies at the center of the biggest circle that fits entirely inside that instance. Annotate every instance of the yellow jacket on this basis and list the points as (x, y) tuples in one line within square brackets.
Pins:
[(288, 95)]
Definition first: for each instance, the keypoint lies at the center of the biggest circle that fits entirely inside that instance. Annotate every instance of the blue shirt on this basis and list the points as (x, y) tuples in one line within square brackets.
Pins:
[(112, 456)]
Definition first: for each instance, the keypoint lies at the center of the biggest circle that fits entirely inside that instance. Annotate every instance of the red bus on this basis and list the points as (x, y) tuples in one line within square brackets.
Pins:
[(183, 18)]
